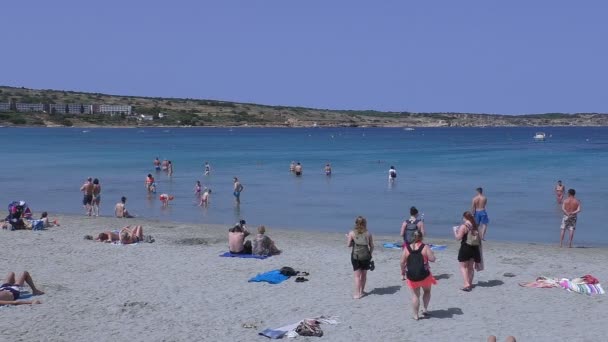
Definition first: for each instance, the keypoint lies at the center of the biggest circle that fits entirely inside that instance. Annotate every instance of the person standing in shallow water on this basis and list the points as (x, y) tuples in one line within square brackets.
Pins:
[(392, 174), (559, 192), (237, 189), (96, 202), (87, 200), (478, 205), (170, 168), (571, 207), (362, 244), (298, 169), (327, 169)]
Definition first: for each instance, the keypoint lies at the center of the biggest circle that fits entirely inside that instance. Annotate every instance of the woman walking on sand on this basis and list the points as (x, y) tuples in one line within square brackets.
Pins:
[(362, 245), (469, 252), (415, 264)]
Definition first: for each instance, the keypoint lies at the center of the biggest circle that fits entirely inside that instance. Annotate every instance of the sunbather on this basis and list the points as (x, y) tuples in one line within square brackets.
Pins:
[(126, 235), (10, 289)]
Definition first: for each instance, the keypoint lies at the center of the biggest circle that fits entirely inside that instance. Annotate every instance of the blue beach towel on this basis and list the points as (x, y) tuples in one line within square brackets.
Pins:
[(245, 256), (272, 277)]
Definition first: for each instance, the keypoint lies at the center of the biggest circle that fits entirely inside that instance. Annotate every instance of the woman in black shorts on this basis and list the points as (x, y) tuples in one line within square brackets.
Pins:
[(361, 255), (467, 255)]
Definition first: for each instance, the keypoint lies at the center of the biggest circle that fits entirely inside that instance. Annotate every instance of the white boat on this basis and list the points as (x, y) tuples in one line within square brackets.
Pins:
[(539, 136), (409, 129)]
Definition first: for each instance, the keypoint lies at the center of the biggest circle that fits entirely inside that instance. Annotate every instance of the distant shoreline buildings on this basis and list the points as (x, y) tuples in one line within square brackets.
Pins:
[(66, 108)]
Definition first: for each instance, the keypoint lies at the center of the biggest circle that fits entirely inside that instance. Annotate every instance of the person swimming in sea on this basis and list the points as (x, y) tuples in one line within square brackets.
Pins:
[(327, 169)]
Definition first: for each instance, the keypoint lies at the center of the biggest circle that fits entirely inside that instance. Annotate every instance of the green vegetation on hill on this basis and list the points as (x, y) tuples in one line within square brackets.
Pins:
[(195, 112)]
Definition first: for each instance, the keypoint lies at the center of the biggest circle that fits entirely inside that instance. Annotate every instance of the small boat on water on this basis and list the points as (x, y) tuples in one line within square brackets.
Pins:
[(409, 129), (539, 136)]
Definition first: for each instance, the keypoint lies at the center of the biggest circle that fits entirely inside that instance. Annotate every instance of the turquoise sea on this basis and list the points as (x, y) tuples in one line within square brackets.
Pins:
[(438, 171)]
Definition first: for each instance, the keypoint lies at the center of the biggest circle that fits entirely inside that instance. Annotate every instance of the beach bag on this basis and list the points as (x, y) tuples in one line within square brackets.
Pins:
[(410, 229), (415, 267), (361, 247), (473, 238), (309, 327), (288, 271)]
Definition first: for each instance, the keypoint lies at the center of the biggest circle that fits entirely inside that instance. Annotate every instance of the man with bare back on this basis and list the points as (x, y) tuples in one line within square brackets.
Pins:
[(571, 207), (479, 211), (87, 191)]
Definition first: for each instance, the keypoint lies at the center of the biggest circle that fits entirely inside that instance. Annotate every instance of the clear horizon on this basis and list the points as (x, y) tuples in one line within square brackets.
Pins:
[(470, 56)]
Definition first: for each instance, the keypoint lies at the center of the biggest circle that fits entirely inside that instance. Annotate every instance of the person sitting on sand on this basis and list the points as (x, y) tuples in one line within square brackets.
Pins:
[(236, 240), (410, 252), (120, 210), (10, 289), (263, 245), (360, 239)]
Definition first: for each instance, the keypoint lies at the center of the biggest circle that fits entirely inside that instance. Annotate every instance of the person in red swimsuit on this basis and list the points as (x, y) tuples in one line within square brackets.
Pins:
[(416, 246)]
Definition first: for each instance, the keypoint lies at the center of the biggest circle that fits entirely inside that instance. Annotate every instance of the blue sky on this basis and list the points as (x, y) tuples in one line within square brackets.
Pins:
[(508, 57)]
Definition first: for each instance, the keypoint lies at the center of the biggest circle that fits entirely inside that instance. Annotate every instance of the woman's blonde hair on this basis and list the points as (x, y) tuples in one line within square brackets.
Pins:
[(360, 225), (261, 230), (417, 236)]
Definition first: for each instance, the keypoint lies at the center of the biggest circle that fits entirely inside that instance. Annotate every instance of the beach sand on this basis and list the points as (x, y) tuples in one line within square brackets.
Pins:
[(178, 289)]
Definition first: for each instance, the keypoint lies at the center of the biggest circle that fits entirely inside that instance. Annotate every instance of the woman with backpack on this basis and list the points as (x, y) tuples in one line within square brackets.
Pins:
[(415, 264), (361, 255), (469, 252)]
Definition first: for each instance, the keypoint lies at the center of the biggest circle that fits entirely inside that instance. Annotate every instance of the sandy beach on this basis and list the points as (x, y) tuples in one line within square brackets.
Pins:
[(179, 289)]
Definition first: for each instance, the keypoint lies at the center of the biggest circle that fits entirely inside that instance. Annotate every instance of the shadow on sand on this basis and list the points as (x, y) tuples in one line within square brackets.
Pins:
[(443, 276), (389, 290), (449, 313), (490, 283)]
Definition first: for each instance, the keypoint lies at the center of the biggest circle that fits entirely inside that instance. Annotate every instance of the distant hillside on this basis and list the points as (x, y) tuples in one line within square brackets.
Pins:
[(195, 112)]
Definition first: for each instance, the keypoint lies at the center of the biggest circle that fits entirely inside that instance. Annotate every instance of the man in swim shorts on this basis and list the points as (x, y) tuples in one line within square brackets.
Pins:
[(87, 190), (479, 209), (207, 169), (238, 188), (571, 207), (559, 192), (156, 164), (10, 290), (298, 169)]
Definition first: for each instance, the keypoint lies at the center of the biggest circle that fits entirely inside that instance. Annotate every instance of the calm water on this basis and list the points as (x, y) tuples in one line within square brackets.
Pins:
[(438, 171)]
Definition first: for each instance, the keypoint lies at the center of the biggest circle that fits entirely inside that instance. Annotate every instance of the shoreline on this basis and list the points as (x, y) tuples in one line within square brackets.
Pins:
[(178, 288), (308, 126)]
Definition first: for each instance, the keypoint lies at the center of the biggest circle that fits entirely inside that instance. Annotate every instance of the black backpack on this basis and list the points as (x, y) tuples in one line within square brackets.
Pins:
[(415, 267)]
